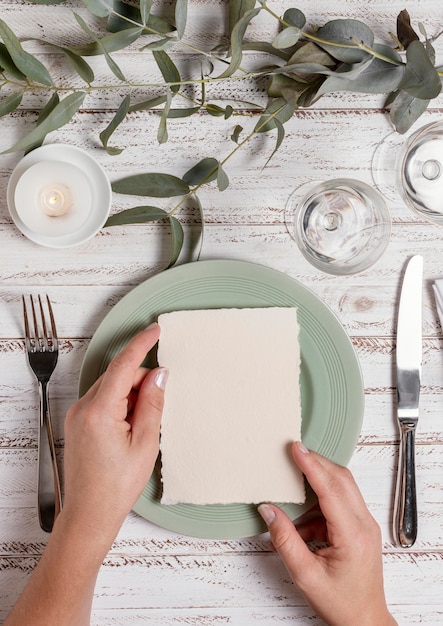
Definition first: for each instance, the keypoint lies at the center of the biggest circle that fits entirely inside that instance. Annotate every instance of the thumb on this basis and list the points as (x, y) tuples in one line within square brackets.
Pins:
[(285, 538), (149, 406)]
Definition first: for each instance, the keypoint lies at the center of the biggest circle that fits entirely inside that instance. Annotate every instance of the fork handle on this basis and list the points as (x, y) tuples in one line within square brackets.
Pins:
[(49, 493)]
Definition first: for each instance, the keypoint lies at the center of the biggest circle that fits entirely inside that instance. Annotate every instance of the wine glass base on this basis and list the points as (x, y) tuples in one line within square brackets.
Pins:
[(341, 226)]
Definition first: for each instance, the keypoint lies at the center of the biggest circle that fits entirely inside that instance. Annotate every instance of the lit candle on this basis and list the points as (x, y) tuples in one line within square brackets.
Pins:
[(55, 199)]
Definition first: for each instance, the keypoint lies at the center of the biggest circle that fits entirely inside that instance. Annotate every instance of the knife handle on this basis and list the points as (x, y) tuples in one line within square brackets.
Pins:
[(405, 506)]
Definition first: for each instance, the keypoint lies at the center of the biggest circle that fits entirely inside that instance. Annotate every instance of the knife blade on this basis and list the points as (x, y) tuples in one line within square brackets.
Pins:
[(409, 360)]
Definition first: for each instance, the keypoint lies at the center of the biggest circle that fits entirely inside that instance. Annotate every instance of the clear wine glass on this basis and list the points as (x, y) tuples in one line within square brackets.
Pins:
[(409, 169), (342, 226)]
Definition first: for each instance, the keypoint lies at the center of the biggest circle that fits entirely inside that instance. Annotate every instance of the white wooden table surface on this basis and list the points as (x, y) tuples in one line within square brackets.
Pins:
[(152, 576)]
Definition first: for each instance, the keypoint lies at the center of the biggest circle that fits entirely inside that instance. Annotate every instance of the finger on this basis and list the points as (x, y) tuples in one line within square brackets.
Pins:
[(287, 541), (334, 485), (119, 377), (148, 409)]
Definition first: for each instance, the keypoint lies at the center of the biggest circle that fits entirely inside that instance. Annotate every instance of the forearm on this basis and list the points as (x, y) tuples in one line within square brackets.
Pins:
[(61, 589)]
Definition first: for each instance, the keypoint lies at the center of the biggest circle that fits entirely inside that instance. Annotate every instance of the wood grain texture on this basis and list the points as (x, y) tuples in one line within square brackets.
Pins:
[(151, 575)]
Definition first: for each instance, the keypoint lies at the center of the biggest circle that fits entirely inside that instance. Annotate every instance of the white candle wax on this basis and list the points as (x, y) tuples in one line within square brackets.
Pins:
[(53, 198)]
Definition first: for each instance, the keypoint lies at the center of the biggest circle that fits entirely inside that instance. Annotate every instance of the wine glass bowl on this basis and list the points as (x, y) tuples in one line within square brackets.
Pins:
[(342, 226), (422, 172)]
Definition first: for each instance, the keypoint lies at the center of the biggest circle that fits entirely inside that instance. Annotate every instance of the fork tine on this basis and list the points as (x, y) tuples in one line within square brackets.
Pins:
[(28, 340), (53, 326)]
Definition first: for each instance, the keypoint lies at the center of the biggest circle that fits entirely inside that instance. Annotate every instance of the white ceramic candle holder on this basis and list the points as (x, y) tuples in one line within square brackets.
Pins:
[(59, 196)]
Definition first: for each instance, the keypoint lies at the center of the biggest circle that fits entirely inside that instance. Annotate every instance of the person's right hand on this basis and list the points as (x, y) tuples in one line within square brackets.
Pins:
[(343, 581)]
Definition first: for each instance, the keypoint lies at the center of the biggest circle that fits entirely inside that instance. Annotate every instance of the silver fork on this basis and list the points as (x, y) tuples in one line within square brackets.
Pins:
[(42, 347)]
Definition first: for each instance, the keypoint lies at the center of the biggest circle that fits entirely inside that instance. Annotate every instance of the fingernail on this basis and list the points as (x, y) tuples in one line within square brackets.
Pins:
[(161, 377), (267, 513), (152, 326), (302, 448)]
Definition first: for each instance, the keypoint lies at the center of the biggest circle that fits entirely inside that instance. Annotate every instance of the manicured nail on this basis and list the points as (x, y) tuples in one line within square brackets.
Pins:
[(267, 513), (161, 377), (302, 448), (152, 326)]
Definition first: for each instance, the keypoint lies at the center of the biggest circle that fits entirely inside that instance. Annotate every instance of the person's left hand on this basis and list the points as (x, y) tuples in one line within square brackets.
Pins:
[(112, 440)]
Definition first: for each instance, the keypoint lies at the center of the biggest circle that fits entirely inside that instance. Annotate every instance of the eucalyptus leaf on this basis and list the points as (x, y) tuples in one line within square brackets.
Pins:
[(237, 9), (280, 137), (310, 52), (43, 115), (125, 15), (177, 240), (236, 133), (100, 8), (204, 171), (182, 112), (155, 185), (162, 133), (145, 10), (109, 43), (146, 105), (115, 69), (287, 38), (267, 48), (137, 215), (10, 103), (60, 115), (405, 109), (47, 2), (421, 79), (82, 68), (222, 178), (7, 64), (168, 69), (161, 44), (181, 16), (294, 17), (405, 33), (377, 77), (279, 110), (337, 38), (118, 118), (31, 67), (237, 35)]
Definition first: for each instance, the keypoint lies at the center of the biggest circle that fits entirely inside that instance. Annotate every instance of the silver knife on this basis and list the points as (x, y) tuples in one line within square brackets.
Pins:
[(409, 358)]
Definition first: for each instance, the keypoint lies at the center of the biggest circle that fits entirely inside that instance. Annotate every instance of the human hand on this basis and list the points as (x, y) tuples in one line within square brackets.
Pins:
[(112, 440), (343, 582)]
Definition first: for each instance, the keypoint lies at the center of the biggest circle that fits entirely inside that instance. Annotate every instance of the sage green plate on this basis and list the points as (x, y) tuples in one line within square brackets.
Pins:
[(330, 379)]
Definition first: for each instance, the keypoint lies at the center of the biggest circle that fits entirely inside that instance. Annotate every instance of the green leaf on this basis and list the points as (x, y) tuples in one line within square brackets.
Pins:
[(82, 68), (60, 115), (287, 38), (294, 17), (236, 133), (421, 79), (280, 137), (185, 112), (146, 105), (137, 215), (109, 43), (7, 63), (145, 10), (43, 115), (309, 52), (100, 8), (279, 110), (205, 171), (109, 60), (177, 239), (168, 69), (151, 184), (47, 2), (10, 103), (181, 16), (162, 133), (118, 118), (125, 15), (405, 109), (222, 178), (161, 44), (25, 62), (337, 36), (237, 9), (377, 77), (237, 35)]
